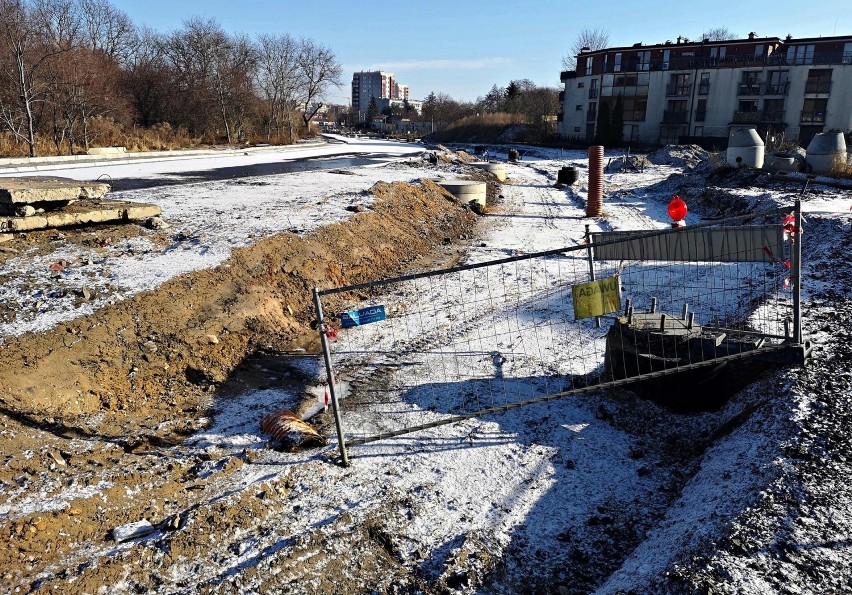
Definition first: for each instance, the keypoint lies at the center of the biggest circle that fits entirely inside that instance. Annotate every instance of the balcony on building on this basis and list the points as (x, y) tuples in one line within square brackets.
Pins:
[(700, 115), (593, 93), (675, 116), (678, 90), (746, 117), (561, 96), (704, 88), (591, 115), (817, 117), (748, 89)]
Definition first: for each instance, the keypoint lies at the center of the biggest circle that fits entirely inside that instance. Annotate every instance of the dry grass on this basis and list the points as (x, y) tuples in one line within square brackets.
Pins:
[(841, 170), (104, 132), (483, 129)]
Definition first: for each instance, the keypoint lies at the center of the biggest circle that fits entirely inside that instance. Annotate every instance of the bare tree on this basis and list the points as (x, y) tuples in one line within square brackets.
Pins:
[(59, 21), (596, 38), (718, 34), (87, 87), (190, 55), (319, 70), (278, 77), (109, 30), (233, 70), (148, 80), (26, 54)]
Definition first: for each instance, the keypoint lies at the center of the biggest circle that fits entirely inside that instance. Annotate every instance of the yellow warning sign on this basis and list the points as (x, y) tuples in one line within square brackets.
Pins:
[(596, 298)]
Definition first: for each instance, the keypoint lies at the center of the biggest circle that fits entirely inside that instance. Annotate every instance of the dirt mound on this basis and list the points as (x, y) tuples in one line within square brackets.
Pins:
[(679, 155), (155, 357)]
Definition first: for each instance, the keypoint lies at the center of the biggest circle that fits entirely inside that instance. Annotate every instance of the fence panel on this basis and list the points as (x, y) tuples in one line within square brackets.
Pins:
[(457, 343)]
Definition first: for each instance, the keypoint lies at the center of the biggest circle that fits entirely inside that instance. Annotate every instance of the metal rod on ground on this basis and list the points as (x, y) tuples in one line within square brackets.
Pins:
[(326, 354), (662, 323), (627, 304), (690, 320), (591, 258), (653, 305), (685, 311), (630, 315), (796, 272)]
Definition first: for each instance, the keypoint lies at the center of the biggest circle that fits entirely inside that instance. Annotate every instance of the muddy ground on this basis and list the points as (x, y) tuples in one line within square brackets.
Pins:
[(139, 375), (98, 417)]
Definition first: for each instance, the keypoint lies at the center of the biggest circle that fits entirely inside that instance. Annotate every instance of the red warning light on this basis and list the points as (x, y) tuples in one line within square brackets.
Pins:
[(677, 209)]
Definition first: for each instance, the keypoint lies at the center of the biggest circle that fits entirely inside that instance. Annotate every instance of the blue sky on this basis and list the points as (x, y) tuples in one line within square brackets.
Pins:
[(463, 47)]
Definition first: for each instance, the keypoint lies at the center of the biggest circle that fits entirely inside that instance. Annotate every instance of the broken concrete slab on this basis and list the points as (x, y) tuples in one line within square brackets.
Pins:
[(82, 213), (47, 189)]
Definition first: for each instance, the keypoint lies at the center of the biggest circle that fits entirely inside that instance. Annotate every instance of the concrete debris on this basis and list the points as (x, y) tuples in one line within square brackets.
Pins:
[(132, 531), (36, 189), (81, 214)]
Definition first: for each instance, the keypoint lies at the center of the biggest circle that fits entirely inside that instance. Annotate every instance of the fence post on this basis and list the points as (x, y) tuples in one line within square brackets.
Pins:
[(796, 273), (332, 391), (591, 258)]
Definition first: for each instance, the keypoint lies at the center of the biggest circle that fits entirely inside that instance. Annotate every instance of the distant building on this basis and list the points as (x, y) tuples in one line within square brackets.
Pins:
[(415, 103), (381, 85), (696, 91)]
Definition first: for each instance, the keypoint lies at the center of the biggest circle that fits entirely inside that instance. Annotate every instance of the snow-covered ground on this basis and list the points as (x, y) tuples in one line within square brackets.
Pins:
[(587, 494)]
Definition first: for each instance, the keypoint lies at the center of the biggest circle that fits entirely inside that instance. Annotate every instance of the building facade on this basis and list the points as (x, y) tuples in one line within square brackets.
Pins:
[(381, 85), (684, 91)]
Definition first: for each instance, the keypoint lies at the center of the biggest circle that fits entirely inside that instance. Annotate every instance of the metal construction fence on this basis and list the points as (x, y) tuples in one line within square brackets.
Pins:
[(433, 348)]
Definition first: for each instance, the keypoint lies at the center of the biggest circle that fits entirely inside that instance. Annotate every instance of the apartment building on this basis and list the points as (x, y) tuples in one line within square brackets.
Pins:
[(686, 91), (378, 84)]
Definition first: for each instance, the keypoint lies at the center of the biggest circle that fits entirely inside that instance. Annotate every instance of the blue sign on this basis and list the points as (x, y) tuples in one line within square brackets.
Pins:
[(362, 316)]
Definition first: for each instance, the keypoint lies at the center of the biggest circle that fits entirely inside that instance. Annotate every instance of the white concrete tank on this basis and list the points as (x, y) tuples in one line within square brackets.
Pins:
[(781, 162), (467, 191), (498, 170), (745, 148), (825, 151)]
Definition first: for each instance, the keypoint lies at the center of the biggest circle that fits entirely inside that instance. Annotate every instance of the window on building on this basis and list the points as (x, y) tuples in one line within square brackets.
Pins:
[(592, 114), (773, 110), (699, 131), (749, 83), (819, 81), (581, 85), (717, 54), (644, 62), (847, 53), (778, 82), (747, 105), (634, 108), (758, 50), (579, 107), (813, 111), (667, 55), (589, 62), (593, 89), (678, 85), (675, 112), (704, 83), (701, 110), (800, 54), (576, 129), (617, 65)]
